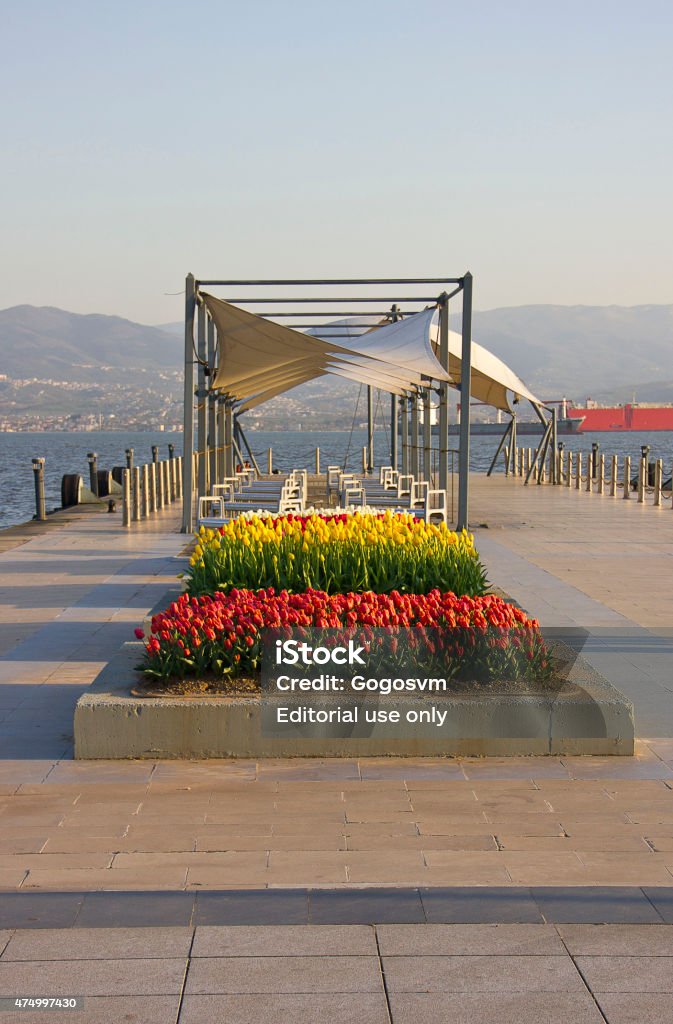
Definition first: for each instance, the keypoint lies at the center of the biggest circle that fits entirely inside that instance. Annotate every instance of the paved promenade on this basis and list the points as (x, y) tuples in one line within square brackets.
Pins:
[(236, 864)]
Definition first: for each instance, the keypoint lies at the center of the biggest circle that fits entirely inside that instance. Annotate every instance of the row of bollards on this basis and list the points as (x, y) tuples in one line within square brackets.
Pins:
[(144, 489), (595, 473), (149, 488)]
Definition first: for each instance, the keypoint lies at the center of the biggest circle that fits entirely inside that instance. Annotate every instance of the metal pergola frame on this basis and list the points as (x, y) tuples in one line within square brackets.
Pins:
[(217, 428)]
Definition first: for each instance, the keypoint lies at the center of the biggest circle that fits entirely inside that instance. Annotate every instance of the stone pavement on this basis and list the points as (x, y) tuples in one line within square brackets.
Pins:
[(193, 825), (404, 974), (595, 569), (219, 855)]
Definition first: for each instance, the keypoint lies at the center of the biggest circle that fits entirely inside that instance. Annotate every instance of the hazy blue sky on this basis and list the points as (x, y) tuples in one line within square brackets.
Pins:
[(529, 142)]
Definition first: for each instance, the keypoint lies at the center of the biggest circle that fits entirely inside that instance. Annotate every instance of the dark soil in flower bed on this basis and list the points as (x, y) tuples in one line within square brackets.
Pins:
[(561, 657)]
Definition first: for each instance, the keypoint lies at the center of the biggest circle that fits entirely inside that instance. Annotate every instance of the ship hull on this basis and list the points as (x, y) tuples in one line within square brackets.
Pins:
[(643, 418), (525, 428)]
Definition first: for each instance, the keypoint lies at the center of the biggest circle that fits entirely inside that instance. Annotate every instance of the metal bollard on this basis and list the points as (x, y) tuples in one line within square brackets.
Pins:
[(658, 480), (165, 467), (642, 477), (364, 460), (155, 453), (569, 471), (40, 505), (269, 461), (613, 476), (145, 492), (178, 477), (627, 477), (152, 468), (135, 494), (590, 471), (126, 497), (506, 458), (578, 473), (92, 458), (171, 451), (159, 484), (129, 458), (317, 461), (601, 474)]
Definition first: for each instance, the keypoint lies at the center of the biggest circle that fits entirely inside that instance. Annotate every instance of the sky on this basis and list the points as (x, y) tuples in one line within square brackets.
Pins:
[(528, 142)]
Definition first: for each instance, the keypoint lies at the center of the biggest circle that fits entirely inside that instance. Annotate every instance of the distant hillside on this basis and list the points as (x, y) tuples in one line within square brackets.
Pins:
[(578, 350), (121, 368), (53, 344), (582, 350)]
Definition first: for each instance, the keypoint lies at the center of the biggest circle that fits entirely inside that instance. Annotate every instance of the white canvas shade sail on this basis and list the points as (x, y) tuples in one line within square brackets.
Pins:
[(248, 344), (259, 359), (491, 379)]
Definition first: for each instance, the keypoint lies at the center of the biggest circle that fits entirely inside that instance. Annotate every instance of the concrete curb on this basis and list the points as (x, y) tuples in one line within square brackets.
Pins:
[(591, 717)]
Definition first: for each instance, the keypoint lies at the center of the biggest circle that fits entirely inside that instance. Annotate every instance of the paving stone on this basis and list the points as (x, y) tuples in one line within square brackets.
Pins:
[(129, 909), (316, 1008), (366, 906), (481, 974), (627, 973), (233, 975), (98, 944), (39, 910), (500, 1008), (662, 899), (288, 940), (94, 977), (632, 1008), (485, 905), (617, 939), (255, 907), (92, 879), (112, 1010), (595, 905), (469, 940)]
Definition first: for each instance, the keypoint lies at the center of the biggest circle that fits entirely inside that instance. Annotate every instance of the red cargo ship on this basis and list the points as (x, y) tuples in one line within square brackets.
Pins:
[(645, 416)]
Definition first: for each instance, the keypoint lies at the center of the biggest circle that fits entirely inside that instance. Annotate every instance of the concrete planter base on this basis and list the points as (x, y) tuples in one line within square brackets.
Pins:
[(589, 717)]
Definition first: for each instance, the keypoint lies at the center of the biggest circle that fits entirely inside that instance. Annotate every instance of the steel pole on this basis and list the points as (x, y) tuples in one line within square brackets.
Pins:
[(465, 391), (404, 429), (188, 421), (212, 410), (201, 416), (370, 428), (443, 439), (427, 436), (394, 427), (413, 469), (220, 438), (228, 439)]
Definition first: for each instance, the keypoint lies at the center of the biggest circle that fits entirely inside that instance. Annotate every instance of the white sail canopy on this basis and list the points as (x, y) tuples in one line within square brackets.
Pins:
[(259, 359)]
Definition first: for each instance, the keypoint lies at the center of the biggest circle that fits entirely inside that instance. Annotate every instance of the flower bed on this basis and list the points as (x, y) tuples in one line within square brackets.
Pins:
[(338, 554), (472, 638)]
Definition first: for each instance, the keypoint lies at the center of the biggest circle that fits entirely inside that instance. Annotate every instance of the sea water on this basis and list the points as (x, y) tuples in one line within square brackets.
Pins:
[(67, 453)]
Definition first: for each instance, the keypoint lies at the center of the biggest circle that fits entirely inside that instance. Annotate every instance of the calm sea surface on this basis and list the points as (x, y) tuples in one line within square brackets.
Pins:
[(66, 453)]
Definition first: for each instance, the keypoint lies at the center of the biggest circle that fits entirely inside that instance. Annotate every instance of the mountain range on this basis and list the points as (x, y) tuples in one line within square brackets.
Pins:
[(610, 353)]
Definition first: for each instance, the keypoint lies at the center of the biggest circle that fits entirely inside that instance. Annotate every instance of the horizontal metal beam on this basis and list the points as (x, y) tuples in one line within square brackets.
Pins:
[(337, 281), (341, 313), (332, 300)]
